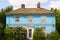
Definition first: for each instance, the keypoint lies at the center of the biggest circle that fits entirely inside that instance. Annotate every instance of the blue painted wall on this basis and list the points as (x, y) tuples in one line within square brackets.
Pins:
[(36, 22)]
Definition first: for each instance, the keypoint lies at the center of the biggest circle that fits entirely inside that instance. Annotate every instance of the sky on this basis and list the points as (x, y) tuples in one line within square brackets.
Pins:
[(47, 4)]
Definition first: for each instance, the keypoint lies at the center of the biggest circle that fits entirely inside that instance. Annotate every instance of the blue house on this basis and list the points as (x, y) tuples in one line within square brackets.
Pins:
[(31, 18)]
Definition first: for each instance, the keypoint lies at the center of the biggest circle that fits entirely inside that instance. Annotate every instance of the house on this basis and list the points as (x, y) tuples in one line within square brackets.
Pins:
[(31, 18)]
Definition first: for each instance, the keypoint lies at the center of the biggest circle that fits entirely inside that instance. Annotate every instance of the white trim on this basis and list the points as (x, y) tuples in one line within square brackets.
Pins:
[(28, 32)]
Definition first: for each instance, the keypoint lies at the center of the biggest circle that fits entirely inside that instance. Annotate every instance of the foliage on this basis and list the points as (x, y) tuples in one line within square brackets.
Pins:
[(3, 19), (2, 13), (38, 34), (1, 31), (57, 19), (1, 26), (52, 36), (23, 33), (15, 34), (58, 22), (8, 33)]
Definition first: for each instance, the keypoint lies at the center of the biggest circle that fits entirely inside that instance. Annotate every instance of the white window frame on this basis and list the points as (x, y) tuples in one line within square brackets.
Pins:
[(43, 19), (17, 18), (29, 18), (30, 27)]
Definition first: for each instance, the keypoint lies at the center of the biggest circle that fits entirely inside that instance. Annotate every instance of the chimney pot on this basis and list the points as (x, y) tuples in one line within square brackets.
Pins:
[(38, 5), (22, 6)]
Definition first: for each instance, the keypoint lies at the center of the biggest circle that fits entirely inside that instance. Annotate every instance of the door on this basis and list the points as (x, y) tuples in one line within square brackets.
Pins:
[(30, 30)]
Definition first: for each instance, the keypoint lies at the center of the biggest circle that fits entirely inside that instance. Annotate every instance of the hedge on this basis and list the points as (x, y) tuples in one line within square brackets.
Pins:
[(15, 33), (38, 34)]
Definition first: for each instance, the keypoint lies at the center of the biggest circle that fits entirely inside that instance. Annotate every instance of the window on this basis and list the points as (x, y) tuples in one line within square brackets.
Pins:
[(43, 18), (17, 18), (30, 33), (29, 18)]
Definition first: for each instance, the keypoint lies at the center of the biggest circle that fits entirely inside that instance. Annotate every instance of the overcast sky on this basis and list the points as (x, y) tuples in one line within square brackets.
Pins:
[(47, 4)]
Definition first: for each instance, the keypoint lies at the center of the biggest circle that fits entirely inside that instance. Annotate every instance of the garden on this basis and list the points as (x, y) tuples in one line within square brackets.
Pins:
[(20, 33)]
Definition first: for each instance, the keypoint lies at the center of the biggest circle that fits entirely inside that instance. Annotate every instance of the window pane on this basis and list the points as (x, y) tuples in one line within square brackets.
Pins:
[(17, 18), (29, 18), (43, 18)]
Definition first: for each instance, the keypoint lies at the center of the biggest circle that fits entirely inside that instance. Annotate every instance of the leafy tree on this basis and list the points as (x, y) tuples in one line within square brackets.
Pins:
[(57, 19), (55, 10), (1, 31), (52, 9), (3, 19), (58, 22), (2, 14)]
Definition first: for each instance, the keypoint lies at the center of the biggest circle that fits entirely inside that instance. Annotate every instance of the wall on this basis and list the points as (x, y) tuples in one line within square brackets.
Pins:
[(36, 22)]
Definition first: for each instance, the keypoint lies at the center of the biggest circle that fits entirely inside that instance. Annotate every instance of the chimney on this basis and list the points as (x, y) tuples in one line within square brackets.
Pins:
[(38, 5), (23, 6)]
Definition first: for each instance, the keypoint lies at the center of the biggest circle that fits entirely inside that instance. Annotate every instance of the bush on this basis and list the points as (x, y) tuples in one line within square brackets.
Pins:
[(52, 36), (1, 31), (15, 33), (38, 34), (8, 33)]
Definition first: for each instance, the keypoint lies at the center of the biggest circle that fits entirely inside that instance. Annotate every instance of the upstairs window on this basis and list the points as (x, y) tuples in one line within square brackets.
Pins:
[(29, 18), (17, 18), (43, 18)]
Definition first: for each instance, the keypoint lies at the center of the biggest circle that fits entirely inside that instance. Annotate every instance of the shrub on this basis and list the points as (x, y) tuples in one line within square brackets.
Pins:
[(52, 36), (15, 33), (38, 34), (1, 31), (8, 33)]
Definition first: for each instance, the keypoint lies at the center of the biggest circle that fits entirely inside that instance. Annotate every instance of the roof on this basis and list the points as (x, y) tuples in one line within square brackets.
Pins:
[(30, 11)]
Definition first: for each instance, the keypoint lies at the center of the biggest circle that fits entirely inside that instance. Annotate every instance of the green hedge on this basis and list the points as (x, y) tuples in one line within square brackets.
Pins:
[(52, 36), (15, 34), (20, 33), (38, 34)]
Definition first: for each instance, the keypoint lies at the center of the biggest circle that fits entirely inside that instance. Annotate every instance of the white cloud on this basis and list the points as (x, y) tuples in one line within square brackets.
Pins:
[(55, 4), (28, 3)]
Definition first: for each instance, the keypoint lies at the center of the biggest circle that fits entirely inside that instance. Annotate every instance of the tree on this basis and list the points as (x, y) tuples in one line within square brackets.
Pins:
[(57, 19), (3, 19), (52, 9), (58, 22), (2, 13), (1, 31)]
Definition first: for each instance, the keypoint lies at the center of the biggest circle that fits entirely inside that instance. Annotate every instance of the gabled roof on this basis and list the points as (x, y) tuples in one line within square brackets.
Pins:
[(30, 11)]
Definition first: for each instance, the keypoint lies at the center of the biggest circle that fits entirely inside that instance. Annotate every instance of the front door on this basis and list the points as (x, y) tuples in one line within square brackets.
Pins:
[(30, 32)]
